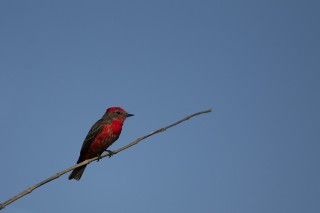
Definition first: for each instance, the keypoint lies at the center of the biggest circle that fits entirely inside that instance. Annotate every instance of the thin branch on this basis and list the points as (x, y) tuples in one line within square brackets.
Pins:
[(57, 175)]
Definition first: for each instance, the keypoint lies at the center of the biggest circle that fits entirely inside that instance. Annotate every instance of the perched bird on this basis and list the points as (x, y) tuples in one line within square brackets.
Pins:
[(101, 135)]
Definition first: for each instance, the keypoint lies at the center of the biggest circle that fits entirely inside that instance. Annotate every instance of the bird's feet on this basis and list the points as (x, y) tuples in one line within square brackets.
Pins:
[(109, 152)]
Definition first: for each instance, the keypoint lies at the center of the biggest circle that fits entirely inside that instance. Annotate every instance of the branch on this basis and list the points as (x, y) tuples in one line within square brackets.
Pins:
[(57, 175)]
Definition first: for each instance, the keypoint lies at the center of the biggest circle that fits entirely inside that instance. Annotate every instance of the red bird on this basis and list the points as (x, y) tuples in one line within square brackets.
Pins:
[(101, 135)]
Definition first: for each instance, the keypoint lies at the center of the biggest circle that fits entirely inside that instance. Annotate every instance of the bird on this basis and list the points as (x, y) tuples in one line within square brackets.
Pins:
[(101, 135)]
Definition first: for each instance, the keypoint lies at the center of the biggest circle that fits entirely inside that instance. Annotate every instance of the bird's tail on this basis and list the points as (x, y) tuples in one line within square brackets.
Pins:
[(77, 173)]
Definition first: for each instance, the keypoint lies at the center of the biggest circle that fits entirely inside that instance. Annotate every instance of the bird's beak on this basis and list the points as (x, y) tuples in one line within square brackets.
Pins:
[(129, 115)]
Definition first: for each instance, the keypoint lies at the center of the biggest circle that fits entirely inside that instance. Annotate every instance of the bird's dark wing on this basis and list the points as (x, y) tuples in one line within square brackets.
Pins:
[(92, 134)]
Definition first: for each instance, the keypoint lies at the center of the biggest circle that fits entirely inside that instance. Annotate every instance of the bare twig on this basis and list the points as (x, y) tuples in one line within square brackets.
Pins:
[(57, 175)]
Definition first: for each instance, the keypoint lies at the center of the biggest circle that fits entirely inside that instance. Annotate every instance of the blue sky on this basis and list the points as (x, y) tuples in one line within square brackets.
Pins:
[(256, 63)]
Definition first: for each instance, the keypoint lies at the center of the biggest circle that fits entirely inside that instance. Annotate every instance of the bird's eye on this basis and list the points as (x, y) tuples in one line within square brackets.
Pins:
[(118, 112)]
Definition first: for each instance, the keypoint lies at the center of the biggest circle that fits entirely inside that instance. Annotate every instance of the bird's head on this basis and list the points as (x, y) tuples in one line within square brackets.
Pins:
[(117, 113)]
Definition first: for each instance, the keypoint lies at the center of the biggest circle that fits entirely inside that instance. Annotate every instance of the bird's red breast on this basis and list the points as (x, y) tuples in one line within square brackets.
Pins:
[(109, 134)]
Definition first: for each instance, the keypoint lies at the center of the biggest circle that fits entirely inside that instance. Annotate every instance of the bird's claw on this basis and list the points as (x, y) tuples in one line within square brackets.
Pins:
[(110, 153), (99, 157)]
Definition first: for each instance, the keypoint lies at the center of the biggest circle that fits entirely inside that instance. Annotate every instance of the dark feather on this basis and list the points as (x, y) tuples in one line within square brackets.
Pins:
[(77, 173), (92, 134)]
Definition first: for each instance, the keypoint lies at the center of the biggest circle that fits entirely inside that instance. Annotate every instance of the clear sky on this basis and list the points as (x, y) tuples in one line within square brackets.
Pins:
[(256, 63)]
